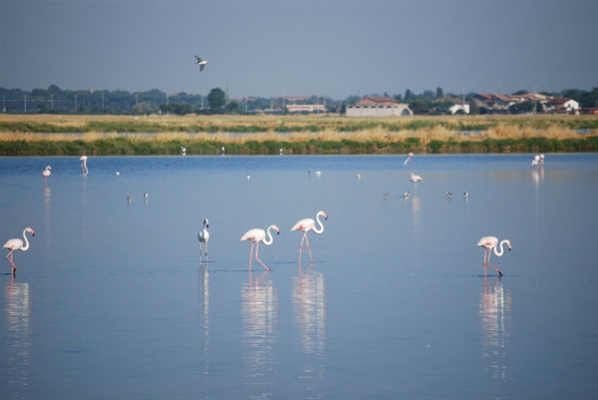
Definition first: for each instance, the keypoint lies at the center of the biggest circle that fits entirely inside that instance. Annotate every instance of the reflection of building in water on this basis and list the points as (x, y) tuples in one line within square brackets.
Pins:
[(16, 327), (309, 301), (204, 316), (260, 320), (495, 314)]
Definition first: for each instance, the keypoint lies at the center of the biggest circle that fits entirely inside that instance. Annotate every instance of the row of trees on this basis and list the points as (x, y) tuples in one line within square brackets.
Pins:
[(56, 100)]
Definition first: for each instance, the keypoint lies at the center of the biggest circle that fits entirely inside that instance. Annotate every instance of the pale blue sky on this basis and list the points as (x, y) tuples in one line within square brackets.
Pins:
[(293, 48)]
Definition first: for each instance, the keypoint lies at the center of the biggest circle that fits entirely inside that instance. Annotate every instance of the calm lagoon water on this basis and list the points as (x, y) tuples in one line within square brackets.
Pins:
[(112, 300)]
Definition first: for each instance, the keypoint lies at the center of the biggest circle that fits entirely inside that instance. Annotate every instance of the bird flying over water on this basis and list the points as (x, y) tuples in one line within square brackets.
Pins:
[(202, 63)]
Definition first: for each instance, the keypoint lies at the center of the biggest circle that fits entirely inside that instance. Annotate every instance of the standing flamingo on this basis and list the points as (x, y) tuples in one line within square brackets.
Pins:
[(306, 225), (415, 179), (408, 160), (257, 235), (46, 172), (204, 237), (17, 244), (84, 164), (490, 243)]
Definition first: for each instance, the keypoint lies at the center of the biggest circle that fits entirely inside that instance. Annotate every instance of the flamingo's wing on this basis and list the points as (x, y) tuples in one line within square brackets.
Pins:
[(254, 234), (488, 241), (303, 225), (13, 244)]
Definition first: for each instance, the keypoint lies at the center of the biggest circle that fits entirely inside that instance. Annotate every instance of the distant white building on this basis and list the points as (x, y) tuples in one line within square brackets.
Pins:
[(562, 105), (305, 108), (378, 106), (455, 108)]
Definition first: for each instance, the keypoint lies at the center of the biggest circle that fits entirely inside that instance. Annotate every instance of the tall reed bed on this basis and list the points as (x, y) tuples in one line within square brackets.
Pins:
[(128, 135)]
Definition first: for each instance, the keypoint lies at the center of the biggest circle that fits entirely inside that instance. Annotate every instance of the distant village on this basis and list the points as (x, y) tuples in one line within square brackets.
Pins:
[(58, 101)]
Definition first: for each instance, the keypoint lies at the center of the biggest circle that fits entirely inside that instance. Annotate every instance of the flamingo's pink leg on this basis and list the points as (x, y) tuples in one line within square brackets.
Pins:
[(9, 257), (250, 255), (497, 270), (257, 258), (301, 244), (309, 248)]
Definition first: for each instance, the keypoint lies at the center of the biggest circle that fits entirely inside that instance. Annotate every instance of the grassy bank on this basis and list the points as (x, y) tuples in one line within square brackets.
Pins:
[(205, 135)]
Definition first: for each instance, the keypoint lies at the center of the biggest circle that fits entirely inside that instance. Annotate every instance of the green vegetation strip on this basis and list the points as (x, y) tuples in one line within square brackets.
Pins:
[(125, 146)]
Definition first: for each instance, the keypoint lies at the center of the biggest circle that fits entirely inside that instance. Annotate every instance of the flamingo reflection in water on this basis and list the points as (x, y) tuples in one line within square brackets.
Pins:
[(260, 321), (204, 318), (17, 326), (496, 320), (309, 306)]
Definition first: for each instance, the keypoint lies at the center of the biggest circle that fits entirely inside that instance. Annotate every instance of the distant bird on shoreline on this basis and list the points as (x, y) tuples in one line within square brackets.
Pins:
[(17, 244), (202, 63)]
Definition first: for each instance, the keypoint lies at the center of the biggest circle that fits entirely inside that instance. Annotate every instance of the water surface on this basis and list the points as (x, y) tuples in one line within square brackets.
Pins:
[(112, 300)]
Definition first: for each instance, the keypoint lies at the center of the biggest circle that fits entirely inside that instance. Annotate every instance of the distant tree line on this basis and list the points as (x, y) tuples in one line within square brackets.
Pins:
[(59, 101)]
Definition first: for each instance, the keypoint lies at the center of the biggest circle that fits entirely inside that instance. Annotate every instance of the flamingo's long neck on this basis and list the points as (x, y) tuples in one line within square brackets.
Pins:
[(26, 247), (319, 223), (502, 250), (270, 239)]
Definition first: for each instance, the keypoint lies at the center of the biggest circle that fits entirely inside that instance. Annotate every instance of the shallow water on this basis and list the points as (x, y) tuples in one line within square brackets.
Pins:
[(112, 300)]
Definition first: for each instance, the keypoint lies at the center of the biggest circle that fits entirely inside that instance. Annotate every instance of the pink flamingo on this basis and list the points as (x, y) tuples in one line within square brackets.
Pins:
[(308, 224), (17, 244), (84, 164), (408, 160), (415, 179), (257, 235), (46, 172), (490, 243)]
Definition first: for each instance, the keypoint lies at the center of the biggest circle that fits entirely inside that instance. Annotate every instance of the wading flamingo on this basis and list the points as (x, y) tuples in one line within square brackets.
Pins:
[(17, 244), (408, 160), (84, 165), (257, 235), (490, 243), (46, 172), (415, 179), (308, 224), (204, 237)]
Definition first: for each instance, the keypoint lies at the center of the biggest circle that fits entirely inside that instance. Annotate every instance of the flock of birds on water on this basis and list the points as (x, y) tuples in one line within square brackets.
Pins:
[(256, 236)]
